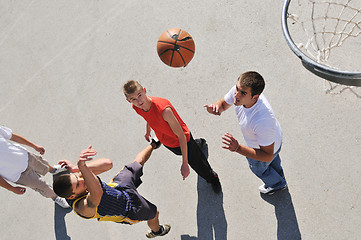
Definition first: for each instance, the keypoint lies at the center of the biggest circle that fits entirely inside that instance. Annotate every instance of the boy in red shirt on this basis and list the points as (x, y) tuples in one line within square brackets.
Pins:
[(171, 131)]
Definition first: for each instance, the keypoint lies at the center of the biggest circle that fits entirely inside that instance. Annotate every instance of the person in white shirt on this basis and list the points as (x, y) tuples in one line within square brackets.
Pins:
[(21, 167), (260, 129)]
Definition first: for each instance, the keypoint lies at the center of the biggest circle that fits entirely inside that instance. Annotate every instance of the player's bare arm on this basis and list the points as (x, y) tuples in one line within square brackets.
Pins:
[(8, 186), (147, 132), (169, 117), (97, 166), (20, 139), (87, 207), (218, 107), (263, 154)]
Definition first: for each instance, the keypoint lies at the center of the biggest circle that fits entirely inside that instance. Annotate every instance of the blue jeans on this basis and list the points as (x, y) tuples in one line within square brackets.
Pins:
[(271, 173)]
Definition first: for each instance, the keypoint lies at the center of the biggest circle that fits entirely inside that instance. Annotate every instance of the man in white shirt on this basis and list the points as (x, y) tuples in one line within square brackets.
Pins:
[(19, 166), (260, 129)]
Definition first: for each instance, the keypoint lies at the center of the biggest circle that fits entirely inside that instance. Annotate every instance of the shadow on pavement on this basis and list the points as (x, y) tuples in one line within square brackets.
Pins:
[(59, 219), (211, 220), (287, 225)]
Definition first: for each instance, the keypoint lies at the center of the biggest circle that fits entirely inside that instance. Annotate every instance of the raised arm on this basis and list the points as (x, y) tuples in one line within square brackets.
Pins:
[(88, 206), (19, 139), (218, 107), (169, 117)]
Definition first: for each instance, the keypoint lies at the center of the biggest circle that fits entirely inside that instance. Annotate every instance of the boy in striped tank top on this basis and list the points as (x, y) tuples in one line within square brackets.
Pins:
[(118, 201)]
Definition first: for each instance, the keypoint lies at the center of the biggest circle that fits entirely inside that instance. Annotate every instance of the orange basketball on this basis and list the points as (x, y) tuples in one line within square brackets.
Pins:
[(175, 47)]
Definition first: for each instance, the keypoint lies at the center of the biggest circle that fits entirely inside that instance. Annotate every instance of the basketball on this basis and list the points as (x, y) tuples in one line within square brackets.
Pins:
[(175, 47)]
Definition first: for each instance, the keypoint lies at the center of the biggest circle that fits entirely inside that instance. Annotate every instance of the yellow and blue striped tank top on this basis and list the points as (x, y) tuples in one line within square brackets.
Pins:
[(114, 205)]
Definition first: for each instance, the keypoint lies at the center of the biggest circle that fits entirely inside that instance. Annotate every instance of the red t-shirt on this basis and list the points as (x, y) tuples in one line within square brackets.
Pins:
[(154, 118)]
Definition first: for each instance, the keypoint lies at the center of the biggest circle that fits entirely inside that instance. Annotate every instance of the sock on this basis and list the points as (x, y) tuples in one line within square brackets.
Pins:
[(54, 169), (160, 230)]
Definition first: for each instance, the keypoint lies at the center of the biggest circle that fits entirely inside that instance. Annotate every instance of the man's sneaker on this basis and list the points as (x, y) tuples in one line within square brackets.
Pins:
[(58, 169), (155, 143), (61, 202), (163, 231), (216, 185), (269, 190)]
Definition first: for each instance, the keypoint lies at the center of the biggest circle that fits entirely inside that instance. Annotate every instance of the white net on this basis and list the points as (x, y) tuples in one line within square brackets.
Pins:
[(329, 32)]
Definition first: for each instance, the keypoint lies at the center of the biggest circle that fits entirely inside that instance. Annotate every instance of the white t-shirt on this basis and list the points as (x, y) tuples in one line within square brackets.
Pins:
[(258, 123), (13, 157)]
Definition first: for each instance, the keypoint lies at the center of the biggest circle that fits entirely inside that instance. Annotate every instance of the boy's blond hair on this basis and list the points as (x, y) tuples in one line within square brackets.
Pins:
[(131, 87)]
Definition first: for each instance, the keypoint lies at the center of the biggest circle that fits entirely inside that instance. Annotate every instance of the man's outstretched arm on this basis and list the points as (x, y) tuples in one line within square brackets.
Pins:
[(20, 139), (97, 166), (218, 107)]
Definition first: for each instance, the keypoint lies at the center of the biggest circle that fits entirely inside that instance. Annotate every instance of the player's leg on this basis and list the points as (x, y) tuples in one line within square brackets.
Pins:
[(199, 162), (276, 164), (271, 178), (143, 210), (130, 175), (196, 160), (143, 156), (154, 223), (32, 179), (38, 164), (156, 228), (41, 166)]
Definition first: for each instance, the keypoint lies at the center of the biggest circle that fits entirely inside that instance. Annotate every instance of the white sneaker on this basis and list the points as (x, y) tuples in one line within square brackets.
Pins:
[(61, 202), (58, 169), (270, 190), (165, 229)]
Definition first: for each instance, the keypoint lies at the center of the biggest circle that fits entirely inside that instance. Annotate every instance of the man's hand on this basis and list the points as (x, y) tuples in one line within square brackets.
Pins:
[(147, 136), (148, 129), (19, 190), (86, 155), (185, 171), (230, 142), (39, 149), (213, 109), (68, 165)]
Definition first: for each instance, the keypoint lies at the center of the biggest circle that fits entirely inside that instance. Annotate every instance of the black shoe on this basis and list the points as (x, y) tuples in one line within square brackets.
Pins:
[(155, 143), (216, 184)]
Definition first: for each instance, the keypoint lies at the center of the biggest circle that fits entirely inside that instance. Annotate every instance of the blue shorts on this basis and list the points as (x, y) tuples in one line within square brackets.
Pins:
[(129, 179)]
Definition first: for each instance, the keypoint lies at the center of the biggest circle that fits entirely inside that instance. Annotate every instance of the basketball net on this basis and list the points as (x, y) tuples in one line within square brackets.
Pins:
[(333, 34)]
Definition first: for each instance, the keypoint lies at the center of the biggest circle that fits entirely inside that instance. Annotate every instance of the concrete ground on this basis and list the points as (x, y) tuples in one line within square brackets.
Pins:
[(62, 67)]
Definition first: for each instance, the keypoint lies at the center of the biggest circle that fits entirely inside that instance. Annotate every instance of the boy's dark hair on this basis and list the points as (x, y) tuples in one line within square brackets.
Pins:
[(254, 80), (62, 186), (131, 87)]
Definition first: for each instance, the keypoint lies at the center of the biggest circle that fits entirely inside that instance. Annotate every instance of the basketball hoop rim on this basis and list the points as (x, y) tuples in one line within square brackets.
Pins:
[(341, 77)]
